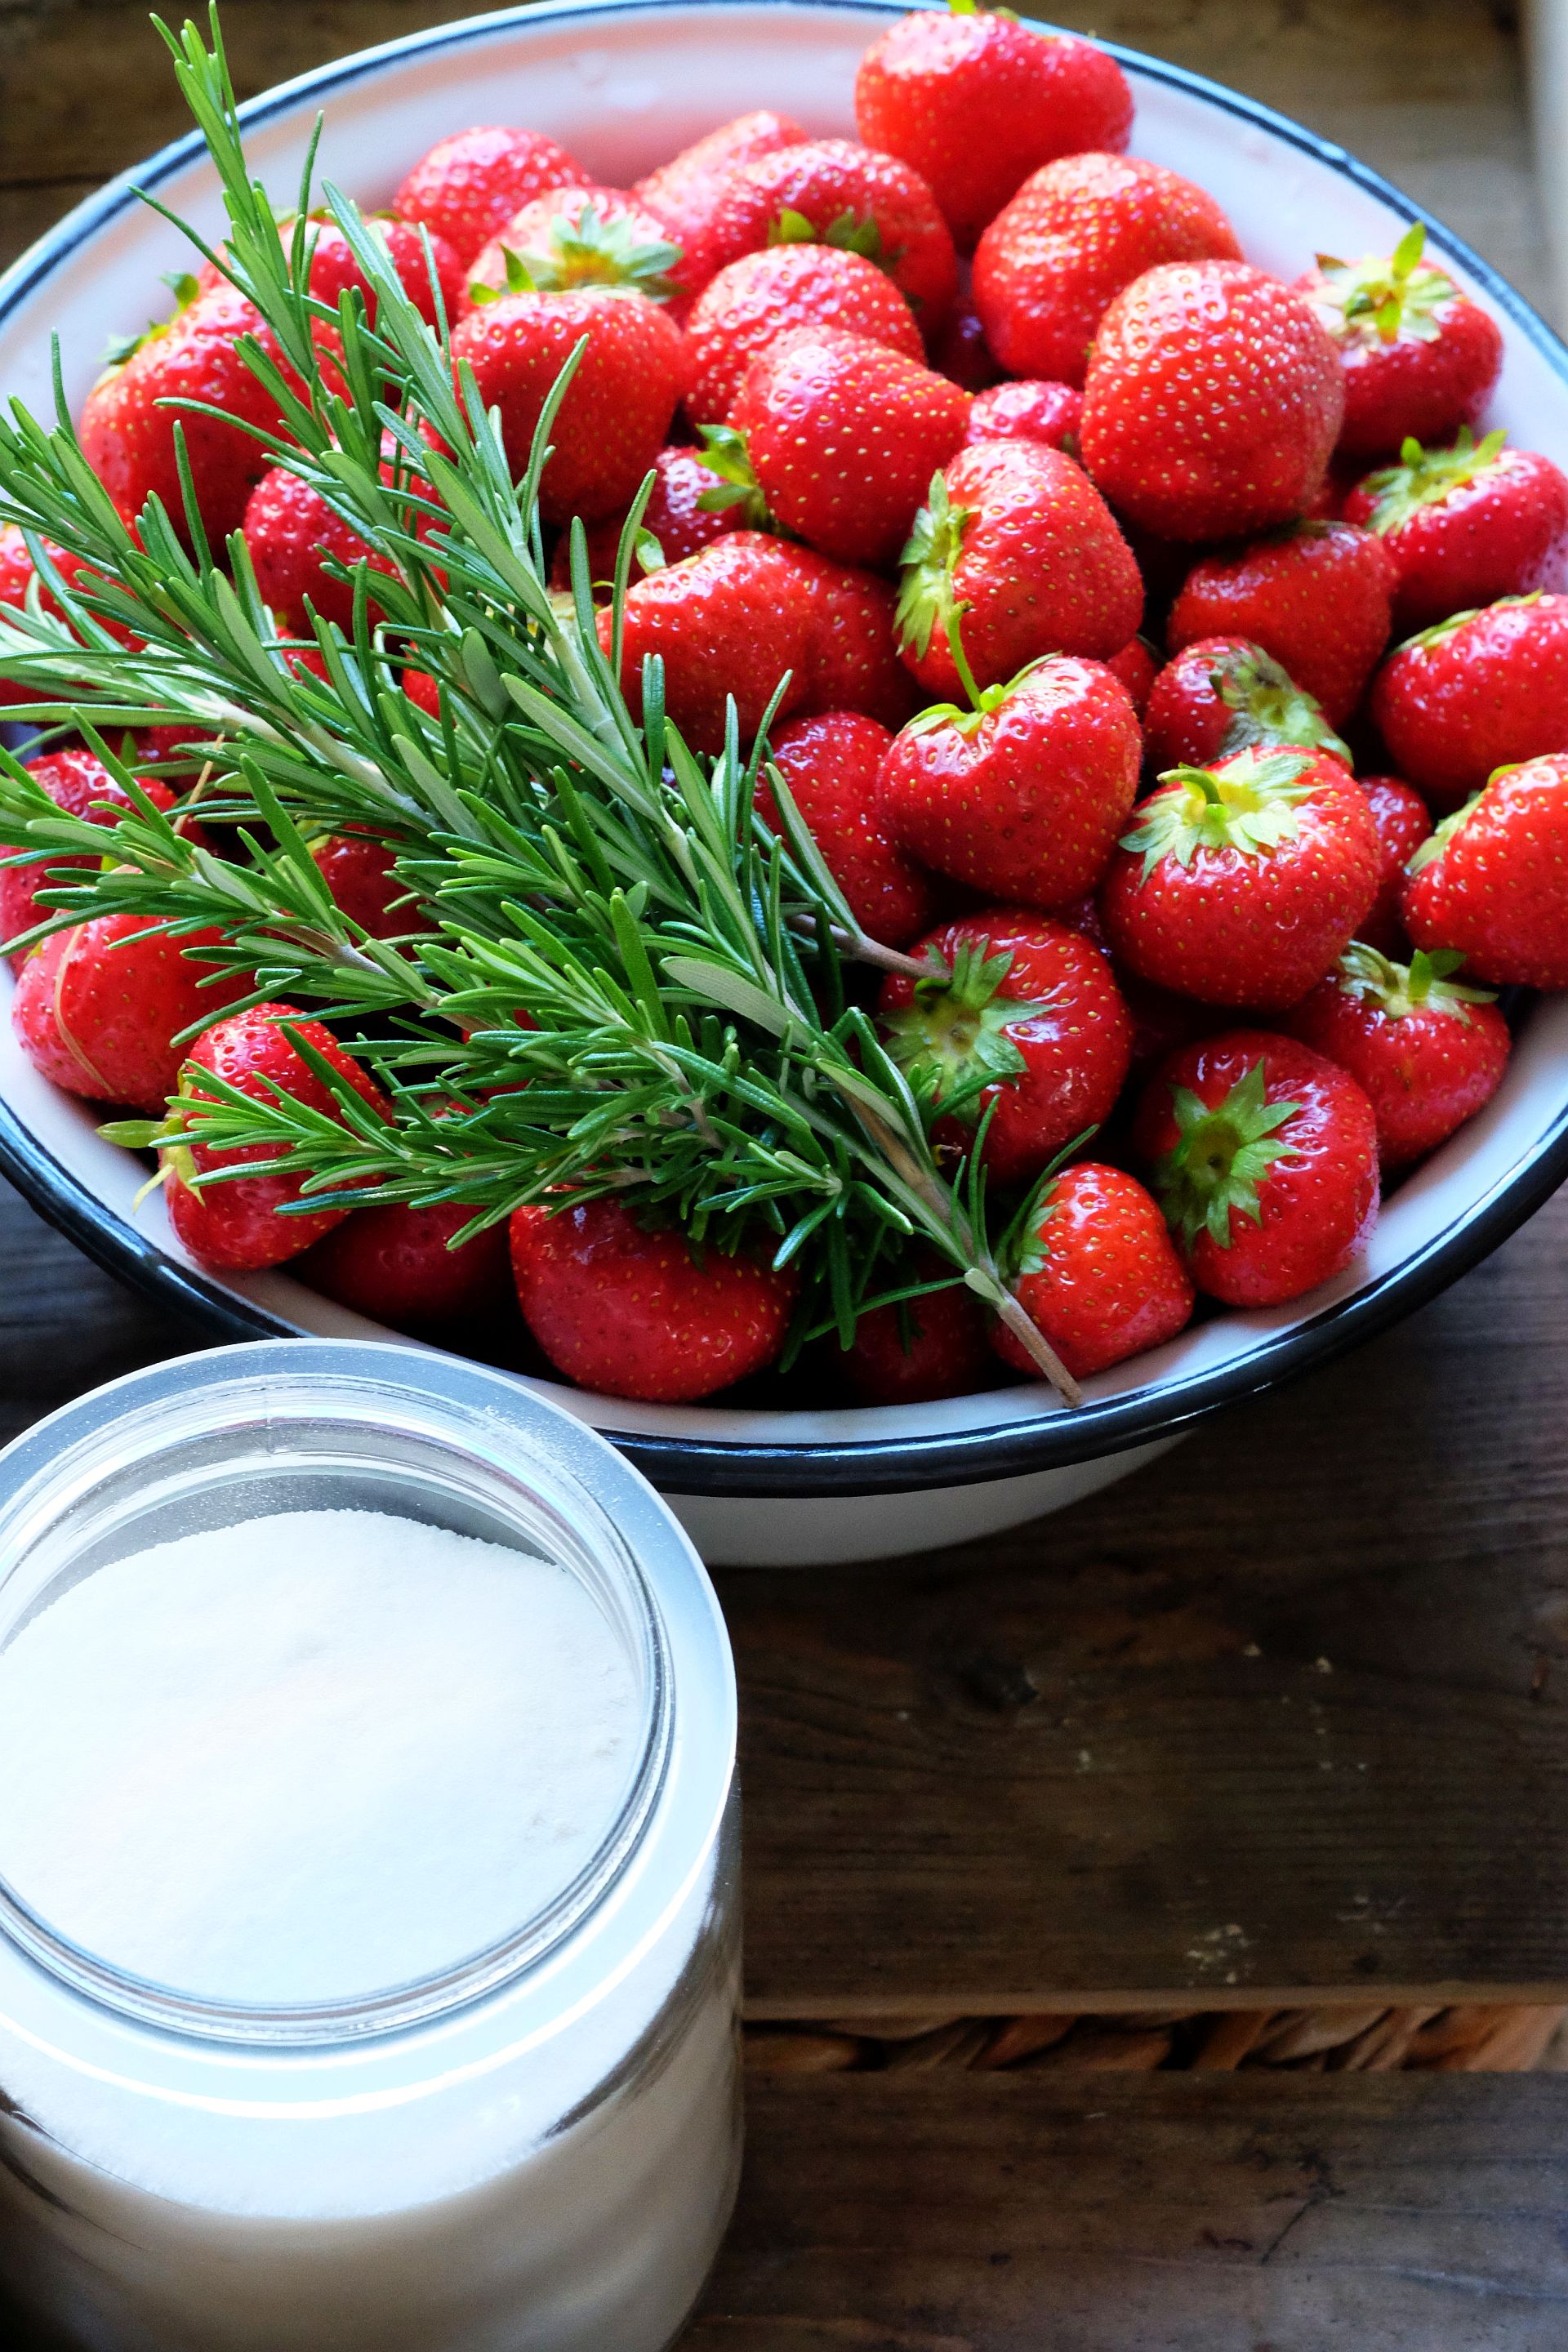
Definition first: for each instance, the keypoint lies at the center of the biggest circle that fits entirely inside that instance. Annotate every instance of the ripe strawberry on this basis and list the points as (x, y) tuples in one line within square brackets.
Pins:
[(1263, 1155), (1221, 695), (852, 647), (17, 574), (334, 270), (616, 412), (1078, 231), (633, 1312), (359, 874), (77, 781), (830, 764), (728, 621), (962, 352), (1097, 1273), (422, 691), (843, 437), (579, 237), (1212, 402), (684, 191), (1404, 821), (1024, 798), (397, 1265), (1027, 1019), (754, 300), (832, 192), (1017, 544), (1426, 1052), (128, 433), (470, 185), (235, 1226), (976, 103), (1419, 358), (95, 1008), (1161, 1020), (291, 532), (675, 515), (1137, 667), (1478, 692), (1050, 413), (1493, 882), (1465, 525), (923, 1348), (1242, 883), (1316, 597)]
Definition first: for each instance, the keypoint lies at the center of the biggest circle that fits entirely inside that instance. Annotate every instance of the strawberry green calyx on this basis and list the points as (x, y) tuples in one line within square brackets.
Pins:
[(1425, 984), (1251, 807), (1423, 476), (1211, 1173), (1268, 707), (852, 232), (951, 1041), (591, 250), (728, 460), (1381, 298), (927, 599), (185, 290)]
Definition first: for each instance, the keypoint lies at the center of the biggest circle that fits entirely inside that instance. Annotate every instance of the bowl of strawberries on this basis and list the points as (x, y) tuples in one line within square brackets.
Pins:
[(845, 731)]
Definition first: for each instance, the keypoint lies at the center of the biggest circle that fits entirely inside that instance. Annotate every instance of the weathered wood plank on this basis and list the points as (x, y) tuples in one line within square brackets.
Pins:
[(1150, 2213)]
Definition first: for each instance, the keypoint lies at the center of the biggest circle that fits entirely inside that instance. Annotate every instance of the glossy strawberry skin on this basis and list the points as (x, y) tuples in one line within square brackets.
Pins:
[(730, 621), (674, 514), (1477, 695), (830, 764), (77, 781), (1033, 411), (1041, 568), (685, 193), (1187, 720), (469, 186), (1498, 890), (977, 103), (1502, 533), (633, 1314), (932, 1347), (1137, 668), (95, 1008), (235, 1226), (1111, 1283), (396, 1265), (822, 179), (289, 528), (1410, 388), (1027, 801), (1404, 821), (127, 438), (334, 270), (1076, 1047), (1251, 931), (845, 436), (753, 301), (1318, 1202), (359, 874), (852, 648), (1425, 1072), (1317, 600), (1078, 231), (1213, 402)]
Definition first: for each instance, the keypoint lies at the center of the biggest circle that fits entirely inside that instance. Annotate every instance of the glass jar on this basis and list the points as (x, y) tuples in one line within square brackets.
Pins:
[(537, 2146)]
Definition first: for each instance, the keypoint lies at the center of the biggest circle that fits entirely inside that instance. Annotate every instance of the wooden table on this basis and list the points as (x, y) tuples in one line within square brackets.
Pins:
[(1284, 1717)]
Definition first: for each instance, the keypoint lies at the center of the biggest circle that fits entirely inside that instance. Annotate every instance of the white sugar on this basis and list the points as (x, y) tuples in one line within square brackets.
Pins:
[(309, 1755)]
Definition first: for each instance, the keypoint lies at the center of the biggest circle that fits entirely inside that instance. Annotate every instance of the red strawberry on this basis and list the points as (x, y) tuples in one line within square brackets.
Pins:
[(96, 1007), (1076, 232), (613, 419), (832, 192), (77, 782), (976, 103), (729, 622), (684, 191), (1404, 821), (1426, 1053), (333, 269), (397, 1265), (1264, 1157), (754, 300), (675, 515), (830, 764), (1137, 667), (843, 437), (1242, 883), (923, 1348), (469, 186), (1465, 525), (1212, 401), (1098, 1274), (852, 657), (128, 433), (1493, 882), (962, 352), (578, 238), (235, 1225), (291, 531), (1476, 693), (1017, 543), (17, 573), (633, 1312), (423, 691), (1221, 695), (359, 874), (1419, 358), (1050, 413), (1315, 597), (1161, 1020), (1028, 1020), (1026, 797)]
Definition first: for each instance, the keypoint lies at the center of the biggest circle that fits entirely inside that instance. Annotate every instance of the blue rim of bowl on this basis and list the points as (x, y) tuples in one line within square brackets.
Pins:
[(741, 1469)]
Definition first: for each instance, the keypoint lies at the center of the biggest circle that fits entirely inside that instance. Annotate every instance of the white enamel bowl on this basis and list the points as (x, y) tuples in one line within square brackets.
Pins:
[(624, 85)]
